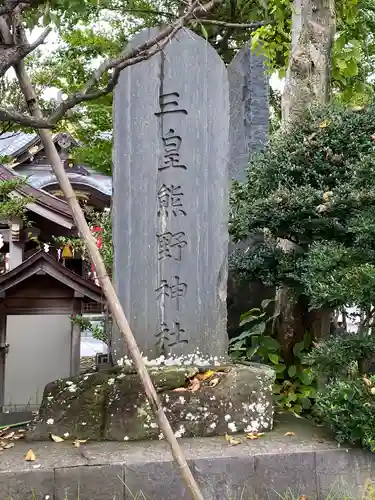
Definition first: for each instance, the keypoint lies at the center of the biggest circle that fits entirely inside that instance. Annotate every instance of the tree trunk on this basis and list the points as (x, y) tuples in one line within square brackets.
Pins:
[(307, 82), (308, 75)]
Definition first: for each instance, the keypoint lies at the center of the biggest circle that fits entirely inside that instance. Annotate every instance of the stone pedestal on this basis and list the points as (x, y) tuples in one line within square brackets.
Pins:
[(112, 405)]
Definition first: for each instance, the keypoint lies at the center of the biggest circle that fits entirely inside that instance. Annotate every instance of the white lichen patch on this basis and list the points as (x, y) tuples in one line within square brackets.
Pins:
[(227, 418), (126, 438), (180, 432), (181, 399), (50, 421), (111, 381), (212, 425), (232, 426), (195, 358), (72, 388)]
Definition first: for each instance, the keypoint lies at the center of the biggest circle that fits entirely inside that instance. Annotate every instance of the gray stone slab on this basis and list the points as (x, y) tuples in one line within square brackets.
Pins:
[(154, 481), (170, 199), (15, 417), (90, 483), (225, 478), (288, 473), (249, 109), (27, 485), (344, 472)]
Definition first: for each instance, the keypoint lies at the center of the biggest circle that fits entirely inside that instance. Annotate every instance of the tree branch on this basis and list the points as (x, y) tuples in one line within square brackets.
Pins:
[(224, 24), (141, 53), (10, 5), (11, 115), (11, 54)]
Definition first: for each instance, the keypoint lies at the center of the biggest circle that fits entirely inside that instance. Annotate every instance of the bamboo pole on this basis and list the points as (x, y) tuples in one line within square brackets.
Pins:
[(106, 284)]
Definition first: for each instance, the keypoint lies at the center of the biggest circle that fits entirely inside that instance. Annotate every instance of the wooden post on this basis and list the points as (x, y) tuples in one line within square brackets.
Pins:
[(15, 246), (3, 354), (75, 352)]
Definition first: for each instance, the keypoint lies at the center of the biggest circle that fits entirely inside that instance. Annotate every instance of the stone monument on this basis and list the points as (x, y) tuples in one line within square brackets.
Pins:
[(170, 199), (249, 110), (249, 125), (170, 233)]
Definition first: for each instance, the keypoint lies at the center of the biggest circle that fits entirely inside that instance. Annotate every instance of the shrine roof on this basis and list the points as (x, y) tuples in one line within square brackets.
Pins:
[(11, 143), (42, 263), (43, 203)]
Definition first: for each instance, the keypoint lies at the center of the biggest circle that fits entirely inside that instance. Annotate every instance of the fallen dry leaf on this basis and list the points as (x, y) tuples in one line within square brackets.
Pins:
[(214, 382), (194, 385), (373, 137), (77, 443), (290, 434), (180, 389), (8, 446), (205, 375), (367, 381), (8, 436), (30, 456), (303, 497), (57, 439), (254, 435), (231, 440)]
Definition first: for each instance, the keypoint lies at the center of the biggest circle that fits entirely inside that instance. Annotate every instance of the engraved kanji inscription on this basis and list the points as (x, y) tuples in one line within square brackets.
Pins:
[(171, 156), (176, 290), (167, 337), (169, 104), (169, 200), (170, 245)]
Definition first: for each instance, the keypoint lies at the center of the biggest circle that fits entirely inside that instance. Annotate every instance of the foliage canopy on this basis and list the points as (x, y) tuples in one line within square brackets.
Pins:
[(313, 186)]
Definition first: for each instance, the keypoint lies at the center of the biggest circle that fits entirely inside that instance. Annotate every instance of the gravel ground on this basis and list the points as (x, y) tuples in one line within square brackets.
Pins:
[(87, 363)]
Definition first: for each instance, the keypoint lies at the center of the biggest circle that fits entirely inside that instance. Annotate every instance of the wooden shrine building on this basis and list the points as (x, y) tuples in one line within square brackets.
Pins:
[(39, 288)]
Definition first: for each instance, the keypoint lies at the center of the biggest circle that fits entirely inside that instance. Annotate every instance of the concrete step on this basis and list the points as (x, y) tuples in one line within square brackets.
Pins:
[(308, 463)]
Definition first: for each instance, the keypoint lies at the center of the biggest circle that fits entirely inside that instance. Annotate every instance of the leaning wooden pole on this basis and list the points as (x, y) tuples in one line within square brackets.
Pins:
[(106, 284)]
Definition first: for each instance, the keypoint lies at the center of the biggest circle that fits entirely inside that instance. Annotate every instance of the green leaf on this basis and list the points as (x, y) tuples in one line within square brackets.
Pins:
[(292, 370), (306, 377), (204, 31), (255, 330), (279, 368), (298, 348), (251, 318), (269, 343), (266, 302), (306, 403), (251, 352), (274, 358)]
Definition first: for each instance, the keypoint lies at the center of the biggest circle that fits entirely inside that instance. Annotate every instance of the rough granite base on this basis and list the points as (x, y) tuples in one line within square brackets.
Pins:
[(111, 405)]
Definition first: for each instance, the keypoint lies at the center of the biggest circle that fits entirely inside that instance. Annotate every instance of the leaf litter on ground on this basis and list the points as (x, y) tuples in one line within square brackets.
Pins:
[(8, 438)]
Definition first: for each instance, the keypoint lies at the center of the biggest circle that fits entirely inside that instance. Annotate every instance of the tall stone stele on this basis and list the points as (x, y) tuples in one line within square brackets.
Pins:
[(249, 124), (170, 199)]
